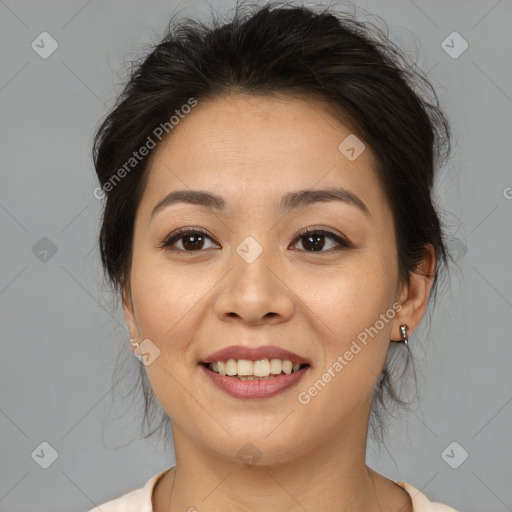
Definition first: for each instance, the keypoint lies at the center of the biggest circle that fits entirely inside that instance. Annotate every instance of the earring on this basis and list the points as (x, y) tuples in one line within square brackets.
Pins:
[(403, 335), (135, 349)]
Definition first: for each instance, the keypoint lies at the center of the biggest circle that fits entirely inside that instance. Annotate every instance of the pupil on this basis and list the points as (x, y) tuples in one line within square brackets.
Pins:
[(313, 242), (199, 240)]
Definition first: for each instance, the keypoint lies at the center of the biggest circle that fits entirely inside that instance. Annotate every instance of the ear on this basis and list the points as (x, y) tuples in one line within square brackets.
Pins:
[(414, 299), (129, 313)]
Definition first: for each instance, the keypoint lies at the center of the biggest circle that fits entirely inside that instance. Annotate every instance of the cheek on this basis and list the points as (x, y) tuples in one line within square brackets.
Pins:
[(171, 305), (354, 346), (351, 296), (164, 295), (167, 306), (356, 306)]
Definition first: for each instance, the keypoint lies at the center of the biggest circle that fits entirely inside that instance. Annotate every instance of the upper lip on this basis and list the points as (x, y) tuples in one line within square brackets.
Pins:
[(253, 354)]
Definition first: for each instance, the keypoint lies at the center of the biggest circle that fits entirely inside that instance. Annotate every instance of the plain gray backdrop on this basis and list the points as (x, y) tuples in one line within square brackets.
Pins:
[(60, 338)]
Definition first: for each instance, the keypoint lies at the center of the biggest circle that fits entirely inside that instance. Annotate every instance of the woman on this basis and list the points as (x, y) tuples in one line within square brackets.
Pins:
[(270, 228)]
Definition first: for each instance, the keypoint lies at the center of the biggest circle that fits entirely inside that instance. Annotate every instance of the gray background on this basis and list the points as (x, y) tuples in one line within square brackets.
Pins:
[(60, 341)]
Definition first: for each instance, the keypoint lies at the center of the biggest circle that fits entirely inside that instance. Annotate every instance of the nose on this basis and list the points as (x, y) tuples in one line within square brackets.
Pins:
[(255, 293)]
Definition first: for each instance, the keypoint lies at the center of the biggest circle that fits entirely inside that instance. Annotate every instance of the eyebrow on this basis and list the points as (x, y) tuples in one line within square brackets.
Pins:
[(291, 201)]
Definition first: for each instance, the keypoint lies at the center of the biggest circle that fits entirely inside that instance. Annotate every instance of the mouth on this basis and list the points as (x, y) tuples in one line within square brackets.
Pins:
[(254, 372), (247, 379)]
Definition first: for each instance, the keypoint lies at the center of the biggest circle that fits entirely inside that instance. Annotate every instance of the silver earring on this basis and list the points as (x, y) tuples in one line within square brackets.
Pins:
[(403, 334)]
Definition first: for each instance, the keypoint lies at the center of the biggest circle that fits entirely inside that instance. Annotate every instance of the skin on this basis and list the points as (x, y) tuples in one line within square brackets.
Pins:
[(253, 150)]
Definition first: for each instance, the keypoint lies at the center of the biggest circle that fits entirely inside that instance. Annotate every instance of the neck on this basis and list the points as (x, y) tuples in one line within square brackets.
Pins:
[(329, 475), (279, 487)]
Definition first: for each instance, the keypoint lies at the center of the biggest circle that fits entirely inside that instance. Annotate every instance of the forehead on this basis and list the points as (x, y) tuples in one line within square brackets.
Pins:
[(253, 145)]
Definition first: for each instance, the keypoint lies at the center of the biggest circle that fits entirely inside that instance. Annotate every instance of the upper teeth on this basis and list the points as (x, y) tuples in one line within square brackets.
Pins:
[(259, 368)]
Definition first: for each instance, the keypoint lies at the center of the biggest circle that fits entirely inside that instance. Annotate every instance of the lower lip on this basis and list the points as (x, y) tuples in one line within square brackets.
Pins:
[(254, 388)]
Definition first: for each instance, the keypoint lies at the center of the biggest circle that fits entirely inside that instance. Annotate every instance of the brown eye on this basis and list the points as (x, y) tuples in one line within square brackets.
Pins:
[(313, 240), (191, 240)]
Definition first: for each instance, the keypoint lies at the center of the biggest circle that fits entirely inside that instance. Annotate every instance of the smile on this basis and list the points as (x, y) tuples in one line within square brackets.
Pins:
[(263, 378)]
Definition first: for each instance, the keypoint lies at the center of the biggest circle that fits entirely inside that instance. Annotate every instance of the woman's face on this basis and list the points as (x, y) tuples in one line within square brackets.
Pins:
[(254, 281)]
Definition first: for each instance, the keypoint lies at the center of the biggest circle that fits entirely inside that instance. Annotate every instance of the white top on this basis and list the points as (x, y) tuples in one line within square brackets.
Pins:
[(140, 500)]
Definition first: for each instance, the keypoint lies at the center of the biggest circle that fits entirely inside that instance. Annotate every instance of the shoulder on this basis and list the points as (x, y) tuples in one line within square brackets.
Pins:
[(420, 503), (138, 500)]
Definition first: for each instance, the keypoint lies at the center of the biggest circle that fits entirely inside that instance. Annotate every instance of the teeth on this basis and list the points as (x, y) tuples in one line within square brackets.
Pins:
[(276, 366), (262, 368), (287, 367), (245, 367), (231, 367)]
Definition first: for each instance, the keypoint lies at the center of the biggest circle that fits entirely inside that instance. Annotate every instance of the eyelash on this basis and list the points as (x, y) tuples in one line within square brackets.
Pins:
[(180, 233)]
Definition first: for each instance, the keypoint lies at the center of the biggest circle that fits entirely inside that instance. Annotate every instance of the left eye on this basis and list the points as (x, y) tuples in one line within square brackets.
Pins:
[(314, 239)]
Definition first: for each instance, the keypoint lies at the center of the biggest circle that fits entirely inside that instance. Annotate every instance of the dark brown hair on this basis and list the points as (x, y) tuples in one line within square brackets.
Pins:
[(264, 50)]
